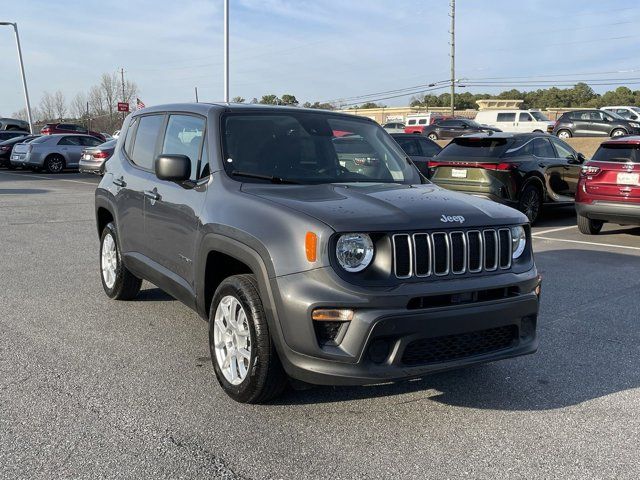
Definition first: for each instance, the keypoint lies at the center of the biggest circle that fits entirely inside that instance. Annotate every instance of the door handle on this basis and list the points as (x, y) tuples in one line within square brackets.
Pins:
[(120, 182), (152, 194)]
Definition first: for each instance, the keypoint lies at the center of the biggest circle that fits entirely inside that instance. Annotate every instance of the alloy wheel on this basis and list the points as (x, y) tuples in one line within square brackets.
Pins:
[(531, 205), (54, 165), (232, 340), (109, 260)]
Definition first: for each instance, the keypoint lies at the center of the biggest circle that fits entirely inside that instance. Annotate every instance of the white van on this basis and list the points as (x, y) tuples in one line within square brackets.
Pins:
[(521, 121)]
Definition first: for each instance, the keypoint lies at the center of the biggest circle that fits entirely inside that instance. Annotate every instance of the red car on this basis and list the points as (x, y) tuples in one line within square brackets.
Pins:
[(51, 128), (609, 186)]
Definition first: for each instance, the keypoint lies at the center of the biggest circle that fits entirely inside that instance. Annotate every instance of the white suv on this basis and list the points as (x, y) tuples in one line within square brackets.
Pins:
[(630, 113), (520, 121)]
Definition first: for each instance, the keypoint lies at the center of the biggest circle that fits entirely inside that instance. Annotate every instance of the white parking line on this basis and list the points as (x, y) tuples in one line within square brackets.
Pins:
[(48, 178), (611, 245), (535, 234)]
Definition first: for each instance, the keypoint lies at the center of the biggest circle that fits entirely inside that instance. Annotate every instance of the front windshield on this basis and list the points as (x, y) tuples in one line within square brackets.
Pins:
[(539, 116), (635, 109), (311, 148)]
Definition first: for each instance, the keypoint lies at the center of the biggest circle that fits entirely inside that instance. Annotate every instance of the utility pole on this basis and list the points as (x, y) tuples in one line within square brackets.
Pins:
[(123, 94), (226, 51), (196, 94), (452, 43), (24, 78)]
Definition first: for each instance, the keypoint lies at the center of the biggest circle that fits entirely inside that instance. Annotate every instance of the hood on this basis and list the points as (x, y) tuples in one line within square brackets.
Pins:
[(387, 207)]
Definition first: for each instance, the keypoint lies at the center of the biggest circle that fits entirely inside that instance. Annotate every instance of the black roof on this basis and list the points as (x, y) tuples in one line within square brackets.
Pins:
[(505, 135)]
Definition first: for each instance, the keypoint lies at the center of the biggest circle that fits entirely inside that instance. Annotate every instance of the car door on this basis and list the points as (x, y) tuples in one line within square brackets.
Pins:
[(524, 123), (572, 167), (71, 147), (171, 210), (506, 121), (553, 168), (598, 123), (130, 179)]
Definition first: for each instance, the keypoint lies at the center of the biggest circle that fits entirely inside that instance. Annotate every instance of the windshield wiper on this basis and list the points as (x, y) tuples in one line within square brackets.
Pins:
[(271, 178)]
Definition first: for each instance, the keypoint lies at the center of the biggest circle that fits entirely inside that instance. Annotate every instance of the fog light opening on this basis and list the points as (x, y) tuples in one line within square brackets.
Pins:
[(379, 350), (527, 327)]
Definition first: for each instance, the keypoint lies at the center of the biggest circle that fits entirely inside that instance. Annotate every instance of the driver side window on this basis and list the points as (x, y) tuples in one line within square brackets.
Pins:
[(562, 149), (184, 136)]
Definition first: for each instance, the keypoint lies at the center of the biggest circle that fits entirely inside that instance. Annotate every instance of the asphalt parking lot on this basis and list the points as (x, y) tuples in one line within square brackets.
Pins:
[(91, 388)]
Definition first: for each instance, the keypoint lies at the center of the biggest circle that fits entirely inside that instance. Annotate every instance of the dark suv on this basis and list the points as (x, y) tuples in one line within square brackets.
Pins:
[(311, 260), (455, 127), (523, 170), (594, 123)]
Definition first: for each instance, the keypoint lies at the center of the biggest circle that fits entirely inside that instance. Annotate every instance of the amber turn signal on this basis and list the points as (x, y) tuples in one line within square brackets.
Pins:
[(332, 314), (311, 246)]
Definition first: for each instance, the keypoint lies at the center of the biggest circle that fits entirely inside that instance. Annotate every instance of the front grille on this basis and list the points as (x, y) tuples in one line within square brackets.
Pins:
[(451, 253), (463, 345)]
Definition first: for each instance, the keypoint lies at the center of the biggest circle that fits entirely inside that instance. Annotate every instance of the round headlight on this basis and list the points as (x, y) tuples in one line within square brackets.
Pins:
[(518, 241), (354, 251)]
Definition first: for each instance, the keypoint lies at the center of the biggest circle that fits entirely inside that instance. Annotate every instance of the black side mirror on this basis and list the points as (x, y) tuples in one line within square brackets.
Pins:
[(581, 157), (173, 168)]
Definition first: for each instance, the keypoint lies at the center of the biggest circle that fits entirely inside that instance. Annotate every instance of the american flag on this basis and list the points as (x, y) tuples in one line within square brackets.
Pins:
[(139, 104)]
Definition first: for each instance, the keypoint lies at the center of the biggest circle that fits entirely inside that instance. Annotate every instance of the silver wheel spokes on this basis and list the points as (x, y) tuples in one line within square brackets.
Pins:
[(109, 260), (232, 340)]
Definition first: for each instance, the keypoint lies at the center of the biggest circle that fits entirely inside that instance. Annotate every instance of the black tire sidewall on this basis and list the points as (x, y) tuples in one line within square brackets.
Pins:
[(256, 319)]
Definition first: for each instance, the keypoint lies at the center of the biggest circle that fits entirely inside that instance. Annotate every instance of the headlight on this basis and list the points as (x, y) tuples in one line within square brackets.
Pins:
[(635, 125), (354, 251), (518, 241)]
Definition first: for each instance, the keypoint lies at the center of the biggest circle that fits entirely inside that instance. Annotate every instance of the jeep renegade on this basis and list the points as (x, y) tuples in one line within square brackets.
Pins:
[(334, 266)]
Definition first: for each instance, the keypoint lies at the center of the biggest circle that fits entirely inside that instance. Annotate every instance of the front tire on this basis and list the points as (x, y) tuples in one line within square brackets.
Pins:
[(432, 136), (588, 226), (54, 164), (618, 132), (564, 134), (530, 203), (118, 282), (242, 350)]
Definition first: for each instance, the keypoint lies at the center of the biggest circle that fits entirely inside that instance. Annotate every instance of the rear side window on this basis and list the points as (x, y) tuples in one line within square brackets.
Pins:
[(617, 153), (184, 136), (128, 142), (422, 121), (69, 141), (144, 146), (474, 147), (543, 149), (90, 141), (409, 145), (429, 148), (41, 139), (506, 117)]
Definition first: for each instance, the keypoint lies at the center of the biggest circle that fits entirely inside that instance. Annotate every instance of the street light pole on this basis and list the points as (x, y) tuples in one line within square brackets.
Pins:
[(226, 51), (452, 14), (24, 79)]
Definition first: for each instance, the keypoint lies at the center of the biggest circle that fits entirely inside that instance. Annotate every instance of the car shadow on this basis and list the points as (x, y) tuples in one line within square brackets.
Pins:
[(554, 216), (618, 231), (589, 337), (21, 191), (153, 294)]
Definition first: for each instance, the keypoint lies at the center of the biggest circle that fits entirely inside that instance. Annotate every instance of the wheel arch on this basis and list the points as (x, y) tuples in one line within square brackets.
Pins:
[(105, 211), (626, 132), (536, 179)]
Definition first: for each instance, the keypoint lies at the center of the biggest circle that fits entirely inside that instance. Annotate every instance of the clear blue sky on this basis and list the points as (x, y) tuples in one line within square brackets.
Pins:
[(317, 50)]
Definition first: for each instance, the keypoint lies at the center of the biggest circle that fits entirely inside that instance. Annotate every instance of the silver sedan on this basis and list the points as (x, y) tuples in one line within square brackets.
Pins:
[(52, 153)]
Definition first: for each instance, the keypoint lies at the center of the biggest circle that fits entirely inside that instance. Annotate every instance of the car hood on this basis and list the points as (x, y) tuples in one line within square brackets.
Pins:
[(387, 207)]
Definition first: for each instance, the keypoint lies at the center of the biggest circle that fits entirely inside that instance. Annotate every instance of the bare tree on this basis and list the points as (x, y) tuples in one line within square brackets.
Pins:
[(96, 101), (109, 87), (60, 105), (79, 105), (130, 92), (47, 106)]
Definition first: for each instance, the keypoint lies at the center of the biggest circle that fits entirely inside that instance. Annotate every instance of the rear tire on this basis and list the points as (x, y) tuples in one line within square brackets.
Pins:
[(530, 202), (54, 164), (564, 134), (588, 226), (618, 132), (242, 350), (118, 282)]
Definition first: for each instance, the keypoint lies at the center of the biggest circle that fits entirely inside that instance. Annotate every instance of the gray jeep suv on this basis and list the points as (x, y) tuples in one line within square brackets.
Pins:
[(328, 266)]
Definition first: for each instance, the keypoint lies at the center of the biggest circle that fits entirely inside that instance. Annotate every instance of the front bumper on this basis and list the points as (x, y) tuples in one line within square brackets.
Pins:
[(608, 211), (387, 340)]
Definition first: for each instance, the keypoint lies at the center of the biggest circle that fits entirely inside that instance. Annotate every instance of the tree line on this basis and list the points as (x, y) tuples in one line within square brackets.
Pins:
[(96, 108)]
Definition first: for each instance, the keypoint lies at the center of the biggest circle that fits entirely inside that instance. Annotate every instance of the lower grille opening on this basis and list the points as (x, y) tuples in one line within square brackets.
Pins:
[(463, 345), (433, 301), (328, 333)]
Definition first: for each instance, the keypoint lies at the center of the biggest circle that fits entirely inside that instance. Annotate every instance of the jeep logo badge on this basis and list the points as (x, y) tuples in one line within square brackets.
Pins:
[(450, 219)]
